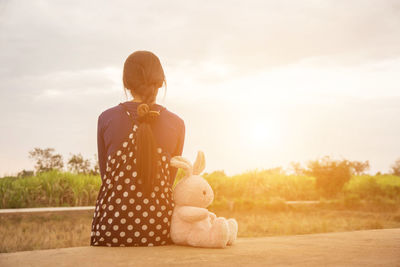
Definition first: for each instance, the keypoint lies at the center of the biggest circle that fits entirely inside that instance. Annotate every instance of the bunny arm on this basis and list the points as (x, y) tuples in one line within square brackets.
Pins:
[(192, 214)]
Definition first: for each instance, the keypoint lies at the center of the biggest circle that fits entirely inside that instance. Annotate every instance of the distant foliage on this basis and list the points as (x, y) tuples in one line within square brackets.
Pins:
[(359, 167), (331, 175), (49, 189), (77, 164), (396, 168), (46, 160)]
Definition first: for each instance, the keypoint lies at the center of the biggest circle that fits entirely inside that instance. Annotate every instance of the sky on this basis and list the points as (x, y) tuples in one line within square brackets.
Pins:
[(259, 84)]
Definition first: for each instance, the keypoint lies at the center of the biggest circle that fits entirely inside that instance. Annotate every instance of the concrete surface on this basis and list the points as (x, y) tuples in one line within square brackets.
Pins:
[(359, 248)]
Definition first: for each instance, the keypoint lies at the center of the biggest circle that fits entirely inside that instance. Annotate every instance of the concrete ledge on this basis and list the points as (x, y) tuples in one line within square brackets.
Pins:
[(358, 248)]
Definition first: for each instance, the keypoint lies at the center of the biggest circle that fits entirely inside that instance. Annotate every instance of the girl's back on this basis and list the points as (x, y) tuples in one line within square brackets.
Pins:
[(135, 204)]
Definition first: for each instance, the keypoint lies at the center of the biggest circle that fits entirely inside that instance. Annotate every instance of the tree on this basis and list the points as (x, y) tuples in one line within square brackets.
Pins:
[(359, 167), (77, 164), (46, 160), (96, 169), (396, 168), (331, 175), (296, 168)]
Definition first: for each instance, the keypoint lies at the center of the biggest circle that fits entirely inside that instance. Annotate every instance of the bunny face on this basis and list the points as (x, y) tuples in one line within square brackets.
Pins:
[(193, 191)]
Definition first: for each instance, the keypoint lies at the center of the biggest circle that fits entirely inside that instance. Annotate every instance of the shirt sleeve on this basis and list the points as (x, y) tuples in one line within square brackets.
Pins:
[(178, 150), (101, 148)]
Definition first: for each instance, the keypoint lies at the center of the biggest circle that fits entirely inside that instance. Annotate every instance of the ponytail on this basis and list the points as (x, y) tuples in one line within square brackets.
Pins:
[(147, 157)]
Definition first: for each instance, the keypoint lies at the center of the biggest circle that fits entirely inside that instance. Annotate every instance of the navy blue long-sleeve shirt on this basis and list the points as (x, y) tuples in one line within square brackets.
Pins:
[(114, 126)]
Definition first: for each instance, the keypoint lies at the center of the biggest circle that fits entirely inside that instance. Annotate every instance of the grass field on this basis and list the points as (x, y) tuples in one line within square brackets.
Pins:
[(68, 229), (256, 199), (254, 188)]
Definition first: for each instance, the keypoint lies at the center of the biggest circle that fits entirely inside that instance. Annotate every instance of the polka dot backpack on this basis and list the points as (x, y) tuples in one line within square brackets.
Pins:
[(123, 215)]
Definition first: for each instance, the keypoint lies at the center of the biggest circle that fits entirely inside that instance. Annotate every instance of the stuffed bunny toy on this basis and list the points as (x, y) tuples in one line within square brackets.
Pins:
[(192, 224)]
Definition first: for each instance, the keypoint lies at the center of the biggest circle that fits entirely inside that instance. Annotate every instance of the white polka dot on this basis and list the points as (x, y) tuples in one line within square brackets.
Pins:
[(108, 233), (108, 245), (125, 144), (145, 201), (110, 221), (108, 181), (164, 158), (111, 207), (127, 180), (130, 227), (138, 207), (131, 201), (158, 227), (118, 152), (129, 240), (153, 194), (158, 238), (113, 161), (130, 214), (144, 227), (139, 194), (121, 173), (131, 136), (115, 227), (164, 231), (137, 234), (162, 195), (152, 220), (150, 245), (104, 206), (163, 207), (123, 221), (165, 219), (145, 214), (118, 200), (133, 187), (103, 227), (117, 166), (115, 240), (128, 167), (123, 157), (122, 234), (125, 194), (163, 242), (151, 233), (134, 161), (157, 201), (134, 174), (152, 208), (166, 190), (137, 220), (144, 239), (159, 214), (116, 214), (169, 212), (119, 187), (113, 194), (162, 183), (156, 188), (159, 150)]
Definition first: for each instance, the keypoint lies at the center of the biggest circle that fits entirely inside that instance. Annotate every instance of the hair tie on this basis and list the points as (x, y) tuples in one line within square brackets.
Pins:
[(145, 114)]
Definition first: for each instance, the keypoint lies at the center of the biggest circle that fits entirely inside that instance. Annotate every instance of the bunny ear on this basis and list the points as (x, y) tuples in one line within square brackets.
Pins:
[(181, 162), (200, 163)]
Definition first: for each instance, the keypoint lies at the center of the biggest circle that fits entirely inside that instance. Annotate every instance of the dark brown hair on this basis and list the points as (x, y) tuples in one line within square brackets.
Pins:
[(143, 75)]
